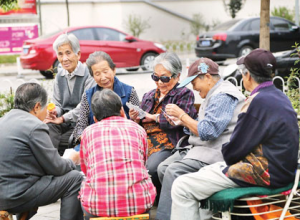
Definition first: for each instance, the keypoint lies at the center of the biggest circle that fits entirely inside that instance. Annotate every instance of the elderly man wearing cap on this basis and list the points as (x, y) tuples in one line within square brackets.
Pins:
[(216, 120), (263, 147)]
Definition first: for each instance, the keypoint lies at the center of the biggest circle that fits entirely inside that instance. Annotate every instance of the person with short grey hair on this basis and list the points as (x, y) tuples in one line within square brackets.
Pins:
[(116, 146), (32, 173), (97, 57), (162, 136), (28, 95), (71, 81), (70, 39), (171, 62), (105, 104), (103, 70)]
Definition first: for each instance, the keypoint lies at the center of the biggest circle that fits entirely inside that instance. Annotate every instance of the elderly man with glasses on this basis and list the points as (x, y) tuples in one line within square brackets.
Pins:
[(216, 120)]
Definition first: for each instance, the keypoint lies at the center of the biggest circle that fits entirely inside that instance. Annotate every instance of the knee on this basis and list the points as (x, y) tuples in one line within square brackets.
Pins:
[(161, 169), (173, 171), (75, 177), (178, 187), (152, 167)]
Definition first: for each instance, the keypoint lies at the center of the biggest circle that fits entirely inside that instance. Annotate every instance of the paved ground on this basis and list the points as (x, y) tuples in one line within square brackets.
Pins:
[(50, 212)]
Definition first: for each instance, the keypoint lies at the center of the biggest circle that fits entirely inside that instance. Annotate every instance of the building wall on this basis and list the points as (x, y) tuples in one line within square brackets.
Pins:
[(164, 26)]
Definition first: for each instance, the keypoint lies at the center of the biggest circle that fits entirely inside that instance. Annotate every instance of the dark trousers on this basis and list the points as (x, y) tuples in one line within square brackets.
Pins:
[(168, 171), (64, 187), (152, 163), (60, 134)]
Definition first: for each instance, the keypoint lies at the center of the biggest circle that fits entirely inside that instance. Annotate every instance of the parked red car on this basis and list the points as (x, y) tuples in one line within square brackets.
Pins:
[(125, 50)]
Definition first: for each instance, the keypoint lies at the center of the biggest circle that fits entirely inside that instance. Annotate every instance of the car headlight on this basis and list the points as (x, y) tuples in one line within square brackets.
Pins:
[(32, 51), (160, 46)]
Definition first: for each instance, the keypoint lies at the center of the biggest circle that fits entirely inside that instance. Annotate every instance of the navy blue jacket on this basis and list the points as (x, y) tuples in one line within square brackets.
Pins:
[(263, 148), (122, 89)]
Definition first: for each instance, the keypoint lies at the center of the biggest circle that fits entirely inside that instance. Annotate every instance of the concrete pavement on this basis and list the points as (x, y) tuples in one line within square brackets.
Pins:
[(51, 212)]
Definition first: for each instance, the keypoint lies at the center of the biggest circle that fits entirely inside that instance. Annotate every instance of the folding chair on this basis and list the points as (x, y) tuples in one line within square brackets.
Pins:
[(226, 204)]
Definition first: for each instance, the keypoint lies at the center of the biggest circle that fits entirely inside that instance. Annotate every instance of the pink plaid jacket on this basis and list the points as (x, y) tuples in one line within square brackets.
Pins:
[(113, 157)]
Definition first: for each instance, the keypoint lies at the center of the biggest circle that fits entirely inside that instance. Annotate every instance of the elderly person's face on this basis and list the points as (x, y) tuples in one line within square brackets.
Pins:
[(103, 74), (39, 112), (202, 85), (164, 88), (67, 57)]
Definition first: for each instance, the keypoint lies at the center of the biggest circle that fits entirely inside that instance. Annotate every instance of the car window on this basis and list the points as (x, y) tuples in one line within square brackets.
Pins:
[(109, 34), (49, 35), (246, 27), (280, 25), (84, 34), (254, 25), (225, 26)]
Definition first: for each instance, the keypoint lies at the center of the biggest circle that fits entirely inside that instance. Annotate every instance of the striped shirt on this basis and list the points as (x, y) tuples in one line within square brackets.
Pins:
[(113, 157), (218, 114)]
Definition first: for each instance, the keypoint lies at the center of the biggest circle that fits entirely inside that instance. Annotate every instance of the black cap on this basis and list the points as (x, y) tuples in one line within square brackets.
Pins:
[(259, 62)]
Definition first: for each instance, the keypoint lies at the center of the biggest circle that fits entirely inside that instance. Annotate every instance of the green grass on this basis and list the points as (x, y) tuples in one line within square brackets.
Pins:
[(8, 58)]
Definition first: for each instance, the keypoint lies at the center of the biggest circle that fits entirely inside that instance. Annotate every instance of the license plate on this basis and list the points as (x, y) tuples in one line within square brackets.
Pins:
[(205, 43), (25, 50)]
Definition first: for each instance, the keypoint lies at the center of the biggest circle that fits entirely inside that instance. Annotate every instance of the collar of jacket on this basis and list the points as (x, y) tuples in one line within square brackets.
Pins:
[(172, 92), (118, 87)]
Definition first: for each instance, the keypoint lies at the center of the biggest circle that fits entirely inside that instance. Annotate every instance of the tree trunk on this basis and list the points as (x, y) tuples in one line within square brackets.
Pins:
[(68, 14), (264, 37)]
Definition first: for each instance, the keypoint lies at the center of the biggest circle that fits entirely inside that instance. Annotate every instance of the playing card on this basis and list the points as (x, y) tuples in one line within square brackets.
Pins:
[(142, 114)]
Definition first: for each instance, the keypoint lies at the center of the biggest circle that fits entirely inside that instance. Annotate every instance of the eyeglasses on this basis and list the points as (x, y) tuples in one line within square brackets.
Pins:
[(164, 79)]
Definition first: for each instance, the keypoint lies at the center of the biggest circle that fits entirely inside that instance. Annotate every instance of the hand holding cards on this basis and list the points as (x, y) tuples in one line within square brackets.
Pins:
[(168, 117), (141, 112)]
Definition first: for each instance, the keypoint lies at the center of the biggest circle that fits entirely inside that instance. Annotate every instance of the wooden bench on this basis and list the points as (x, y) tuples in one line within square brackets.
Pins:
[(134, 217)]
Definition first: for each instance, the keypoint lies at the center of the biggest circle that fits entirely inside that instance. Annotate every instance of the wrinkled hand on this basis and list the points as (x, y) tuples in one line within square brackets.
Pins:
[(149, 117), (75, 157), (133, 114), (57, 121), (173, 120), (173, 110), (51, 115)]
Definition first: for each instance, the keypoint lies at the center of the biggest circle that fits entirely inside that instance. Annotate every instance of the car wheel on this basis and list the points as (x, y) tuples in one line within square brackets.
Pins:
[(245, 50), (132, 69), (147, 61), (49, 74), (56, 67)]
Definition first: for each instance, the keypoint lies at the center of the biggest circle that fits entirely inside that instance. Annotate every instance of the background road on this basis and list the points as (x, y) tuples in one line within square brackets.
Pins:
[(141, 81)]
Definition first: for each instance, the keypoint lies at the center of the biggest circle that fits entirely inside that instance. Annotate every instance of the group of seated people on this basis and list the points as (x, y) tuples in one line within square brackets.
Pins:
[(130, 157)]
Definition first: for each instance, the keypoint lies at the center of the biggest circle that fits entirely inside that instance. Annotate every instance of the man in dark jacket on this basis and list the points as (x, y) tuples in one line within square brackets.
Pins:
[(32, 173)]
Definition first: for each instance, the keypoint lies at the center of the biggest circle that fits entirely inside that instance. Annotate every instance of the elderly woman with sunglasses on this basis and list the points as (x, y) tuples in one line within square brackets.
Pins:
[(163, 137)]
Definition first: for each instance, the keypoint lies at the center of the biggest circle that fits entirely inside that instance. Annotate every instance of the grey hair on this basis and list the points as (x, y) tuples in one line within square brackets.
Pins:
[(259, 79), (96, 57), (106, 103), (28, 94), (70, 39), (170, 61)]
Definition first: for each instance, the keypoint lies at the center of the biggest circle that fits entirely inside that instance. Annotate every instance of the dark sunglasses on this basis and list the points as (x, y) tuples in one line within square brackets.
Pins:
[(164, 79)]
